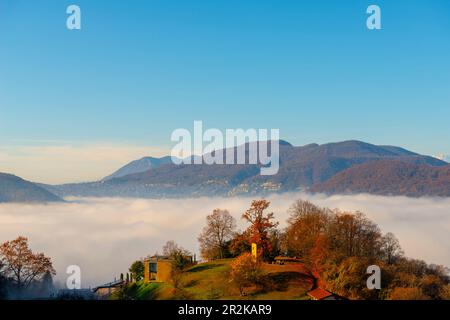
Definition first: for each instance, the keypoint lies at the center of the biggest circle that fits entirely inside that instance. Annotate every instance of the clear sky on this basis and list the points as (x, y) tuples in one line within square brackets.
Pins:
[(76, 104)]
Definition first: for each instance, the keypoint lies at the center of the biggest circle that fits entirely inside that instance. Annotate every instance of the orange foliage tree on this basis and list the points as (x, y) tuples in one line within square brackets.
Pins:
[(260, 226), (21, 265)]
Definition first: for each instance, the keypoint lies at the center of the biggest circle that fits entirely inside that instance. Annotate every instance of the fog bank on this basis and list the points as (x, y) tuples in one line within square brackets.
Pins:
[(103, 236)]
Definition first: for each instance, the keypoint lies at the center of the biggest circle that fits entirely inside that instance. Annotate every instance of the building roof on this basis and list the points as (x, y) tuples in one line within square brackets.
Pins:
[(166, 258), (319, 294), (158, 258), (114, 284)]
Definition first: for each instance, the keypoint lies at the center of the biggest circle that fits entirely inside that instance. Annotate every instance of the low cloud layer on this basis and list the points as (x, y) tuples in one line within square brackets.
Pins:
[(103, 236)]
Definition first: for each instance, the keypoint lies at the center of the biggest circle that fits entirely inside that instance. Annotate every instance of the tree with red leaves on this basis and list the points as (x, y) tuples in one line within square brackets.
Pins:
[(261, 225), (21, 264)]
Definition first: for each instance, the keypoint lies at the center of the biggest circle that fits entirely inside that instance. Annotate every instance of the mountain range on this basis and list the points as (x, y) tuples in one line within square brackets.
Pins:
[(304, 168), (346, 167)]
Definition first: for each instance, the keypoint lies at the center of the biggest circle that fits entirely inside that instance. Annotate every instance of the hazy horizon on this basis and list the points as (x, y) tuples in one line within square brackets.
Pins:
[(65, 162)]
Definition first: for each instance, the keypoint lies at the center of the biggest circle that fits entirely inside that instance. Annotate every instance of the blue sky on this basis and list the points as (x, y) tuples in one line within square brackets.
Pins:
[(140, 69)]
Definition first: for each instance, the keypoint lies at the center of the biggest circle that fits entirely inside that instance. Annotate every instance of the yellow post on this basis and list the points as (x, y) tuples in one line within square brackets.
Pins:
[(254, 251)]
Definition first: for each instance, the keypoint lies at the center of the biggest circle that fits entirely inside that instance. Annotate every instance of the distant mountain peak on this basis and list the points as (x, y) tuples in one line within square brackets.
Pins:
[(15, 189), (139, 166), (285, 143), (443, 157)]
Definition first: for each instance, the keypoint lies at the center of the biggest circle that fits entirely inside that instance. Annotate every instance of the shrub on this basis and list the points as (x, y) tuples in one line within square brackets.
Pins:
[(246, 271)]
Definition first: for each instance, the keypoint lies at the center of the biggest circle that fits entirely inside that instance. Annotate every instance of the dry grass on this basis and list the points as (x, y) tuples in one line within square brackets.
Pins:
[(211, 281)]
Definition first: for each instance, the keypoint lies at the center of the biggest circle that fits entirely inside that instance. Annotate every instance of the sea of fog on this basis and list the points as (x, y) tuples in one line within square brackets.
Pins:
[(103, 236)]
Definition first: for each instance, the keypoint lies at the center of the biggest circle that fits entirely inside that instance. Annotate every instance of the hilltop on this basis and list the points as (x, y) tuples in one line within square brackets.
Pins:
[(210, 281)]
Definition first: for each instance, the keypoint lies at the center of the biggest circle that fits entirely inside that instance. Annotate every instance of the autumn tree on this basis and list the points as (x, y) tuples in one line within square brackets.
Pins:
[(22, 265), (431, 286), (345, 234), (390, 248), (339, 246), (240, 244), (319, 255), (216, 234), (353, 235), (306, 224), (260, 226), (348, 278)]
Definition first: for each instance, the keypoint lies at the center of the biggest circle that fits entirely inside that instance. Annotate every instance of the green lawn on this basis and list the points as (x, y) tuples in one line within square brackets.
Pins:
[(141, 291), (208, 280), (211, 281)]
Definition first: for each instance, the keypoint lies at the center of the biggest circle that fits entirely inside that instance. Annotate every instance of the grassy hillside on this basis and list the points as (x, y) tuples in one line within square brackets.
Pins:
[(211, 281), (144, 291)]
